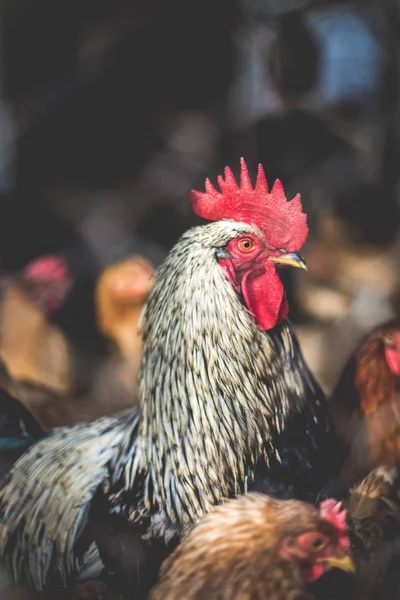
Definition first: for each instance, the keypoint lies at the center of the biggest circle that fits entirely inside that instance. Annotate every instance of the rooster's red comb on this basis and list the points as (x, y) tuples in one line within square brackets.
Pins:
[(330, 510), (283, 222)]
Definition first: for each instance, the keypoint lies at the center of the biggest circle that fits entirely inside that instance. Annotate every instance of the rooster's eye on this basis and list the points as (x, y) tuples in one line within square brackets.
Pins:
[(245, 245)]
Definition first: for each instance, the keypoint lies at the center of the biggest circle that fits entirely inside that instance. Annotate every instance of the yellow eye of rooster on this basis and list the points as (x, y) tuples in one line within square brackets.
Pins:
[(245, 245)]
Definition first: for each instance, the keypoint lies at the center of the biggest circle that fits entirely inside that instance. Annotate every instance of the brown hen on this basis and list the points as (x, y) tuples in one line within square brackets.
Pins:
[(366, 404), (256, 548)]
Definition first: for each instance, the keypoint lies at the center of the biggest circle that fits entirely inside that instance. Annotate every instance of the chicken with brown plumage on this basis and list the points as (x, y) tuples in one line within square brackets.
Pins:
[(257, 548), (120, 297), (33, 348), (374, 519), (365, 404)]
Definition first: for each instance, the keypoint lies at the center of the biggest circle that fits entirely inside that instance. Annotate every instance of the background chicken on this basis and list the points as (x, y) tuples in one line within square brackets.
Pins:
[(227, 403), (33, 348), (257, 547), (374, 514), (366, 404), (120, 296)]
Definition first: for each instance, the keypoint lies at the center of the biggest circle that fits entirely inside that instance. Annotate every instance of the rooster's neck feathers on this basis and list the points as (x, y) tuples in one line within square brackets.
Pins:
[(215, 390)]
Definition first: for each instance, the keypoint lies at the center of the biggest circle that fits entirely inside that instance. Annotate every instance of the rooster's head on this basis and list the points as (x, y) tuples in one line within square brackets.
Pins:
[(278, 229)]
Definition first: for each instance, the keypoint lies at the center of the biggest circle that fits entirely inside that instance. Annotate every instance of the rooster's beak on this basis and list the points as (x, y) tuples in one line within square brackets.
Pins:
[(344, 563), (291, 259)]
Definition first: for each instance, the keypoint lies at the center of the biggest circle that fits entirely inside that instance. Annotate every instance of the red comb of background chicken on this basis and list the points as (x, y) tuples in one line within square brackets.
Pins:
[(283, 222), (392, 351), (50, 278), (330, 510), (47, 267)]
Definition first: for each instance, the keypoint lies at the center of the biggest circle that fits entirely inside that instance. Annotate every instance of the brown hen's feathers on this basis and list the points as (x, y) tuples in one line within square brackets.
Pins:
[(376, 496), (233, 553), (33, 349), (120, 296), (121, 293), (365, 408), (374, 514)]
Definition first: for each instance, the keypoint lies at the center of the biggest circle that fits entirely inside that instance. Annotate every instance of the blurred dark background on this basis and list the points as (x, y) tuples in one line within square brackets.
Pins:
[(110, 112)]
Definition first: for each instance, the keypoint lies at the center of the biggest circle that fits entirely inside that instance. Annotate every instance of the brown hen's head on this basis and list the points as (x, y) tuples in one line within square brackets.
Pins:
[(391, 342), (250, 259), (377, 367), (257, 543), (48, 281), (374, 370)]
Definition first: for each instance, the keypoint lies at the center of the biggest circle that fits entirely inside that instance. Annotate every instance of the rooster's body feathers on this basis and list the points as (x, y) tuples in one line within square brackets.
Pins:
[(58, 478)]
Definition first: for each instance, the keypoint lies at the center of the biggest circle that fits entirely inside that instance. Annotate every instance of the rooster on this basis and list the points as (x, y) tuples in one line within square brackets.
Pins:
[(227, 404), (18, 427), (256, 547), (366, 404)]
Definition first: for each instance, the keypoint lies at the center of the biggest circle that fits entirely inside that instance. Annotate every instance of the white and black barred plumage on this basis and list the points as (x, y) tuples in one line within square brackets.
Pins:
[(218, 397)]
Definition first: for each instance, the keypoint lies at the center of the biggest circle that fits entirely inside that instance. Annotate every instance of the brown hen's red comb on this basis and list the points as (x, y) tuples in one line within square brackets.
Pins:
[(330, 510), (283, 222)]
